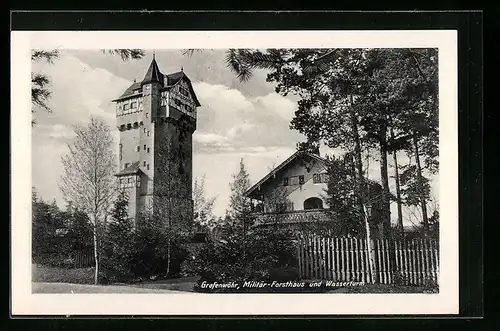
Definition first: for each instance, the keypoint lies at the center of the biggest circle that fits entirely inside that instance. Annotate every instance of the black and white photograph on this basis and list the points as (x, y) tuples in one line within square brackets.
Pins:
[(259, 169)]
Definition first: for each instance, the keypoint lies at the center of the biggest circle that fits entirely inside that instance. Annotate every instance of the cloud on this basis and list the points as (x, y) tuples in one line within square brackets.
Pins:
[(284, 107), (78, 91), (230, 121)]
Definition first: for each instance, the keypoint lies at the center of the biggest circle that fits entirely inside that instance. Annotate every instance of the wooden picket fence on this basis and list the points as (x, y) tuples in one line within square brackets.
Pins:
[(347, 259), (83, 258)]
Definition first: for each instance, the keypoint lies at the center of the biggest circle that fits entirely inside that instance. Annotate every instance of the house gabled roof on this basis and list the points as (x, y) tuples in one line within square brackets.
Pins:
[(285, 163), (281, 166), (132, 169)]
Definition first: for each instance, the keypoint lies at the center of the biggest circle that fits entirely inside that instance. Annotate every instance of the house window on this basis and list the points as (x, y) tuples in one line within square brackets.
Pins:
[(138, 148), (144, 163), (121, 151), (133, 105), (148, 149), (285, 181), (301, 179), (126, 106), (147, 167), (313, 203), (126, 165), (129, 180), (320, 178), (294, 180)]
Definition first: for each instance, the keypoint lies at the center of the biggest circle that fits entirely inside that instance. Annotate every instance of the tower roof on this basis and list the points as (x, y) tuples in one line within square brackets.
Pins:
[(153, 74)]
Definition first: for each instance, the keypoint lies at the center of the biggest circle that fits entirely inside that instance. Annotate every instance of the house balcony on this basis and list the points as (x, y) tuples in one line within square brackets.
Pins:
[(292, 217)]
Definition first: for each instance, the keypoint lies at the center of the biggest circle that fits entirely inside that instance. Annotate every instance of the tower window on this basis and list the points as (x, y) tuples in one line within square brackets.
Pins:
[(144, 163), (144, 147), (147, 115), (148, 133), (121, 151), (126, 165), (144, 130), (147, 167), (184, 91), (138, 148), (148, 149)]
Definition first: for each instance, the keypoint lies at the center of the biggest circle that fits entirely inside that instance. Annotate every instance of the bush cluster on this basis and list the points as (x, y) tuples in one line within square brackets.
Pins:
[(262, 254)]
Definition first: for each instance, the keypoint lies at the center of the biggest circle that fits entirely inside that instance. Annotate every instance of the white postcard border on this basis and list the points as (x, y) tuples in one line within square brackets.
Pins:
[(26, 303)]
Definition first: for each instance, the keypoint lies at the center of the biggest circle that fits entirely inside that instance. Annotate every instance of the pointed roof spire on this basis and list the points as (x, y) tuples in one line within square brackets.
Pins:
[(153, 74)]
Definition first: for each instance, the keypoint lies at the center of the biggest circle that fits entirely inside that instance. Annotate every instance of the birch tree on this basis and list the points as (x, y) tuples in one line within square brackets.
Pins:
[(88, 176)]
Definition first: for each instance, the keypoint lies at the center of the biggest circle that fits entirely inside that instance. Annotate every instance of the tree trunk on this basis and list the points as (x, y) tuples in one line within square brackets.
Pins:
[(169, 244), (357, 155), (398, 187), (386, 218), (386, 205), (423, 202), (96, 257)]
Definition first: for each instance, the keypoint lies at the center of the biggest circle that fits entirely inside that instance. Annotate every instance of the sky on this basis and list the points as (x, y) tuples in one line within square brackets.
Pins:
[(236, 120)]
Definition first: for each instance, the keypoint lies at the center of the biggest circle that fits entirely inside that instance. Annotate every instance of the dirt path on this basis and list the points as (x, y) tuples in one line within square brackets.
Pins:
[(80, 288)]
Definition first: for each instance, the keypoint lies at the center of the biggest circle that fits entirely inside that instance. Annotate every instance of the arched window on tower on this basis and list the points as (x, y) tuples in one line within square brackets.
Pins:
[(121, 151), (313, 203)]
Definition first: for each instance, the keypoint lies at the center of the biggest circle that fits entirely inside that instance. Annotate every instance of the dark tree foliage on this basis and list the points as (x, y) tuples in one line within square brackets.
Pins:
[(58, 234), (342, 198), (118, 243), (358, 98)]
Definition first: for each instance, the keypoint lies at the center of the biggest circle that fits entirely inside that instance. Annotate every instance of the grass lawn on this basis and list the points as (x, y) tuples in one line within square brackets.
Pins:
[(44, 274), (60, 280)]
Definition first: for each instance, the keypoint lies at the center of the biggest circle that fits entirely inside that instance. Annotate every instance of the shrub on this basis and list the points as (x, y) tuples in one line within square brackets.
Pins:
[(267, 254)]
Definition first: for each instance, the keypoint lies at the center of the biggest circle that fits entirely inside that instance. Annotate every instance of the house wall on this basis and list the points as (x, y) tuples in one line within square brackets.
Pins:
[(306, 191), (296, 194)]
